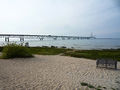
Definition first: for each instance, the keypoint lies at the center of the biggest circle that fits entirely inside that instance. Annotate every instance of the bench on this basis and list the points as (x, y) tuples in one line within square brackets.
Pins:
[(106, 63)]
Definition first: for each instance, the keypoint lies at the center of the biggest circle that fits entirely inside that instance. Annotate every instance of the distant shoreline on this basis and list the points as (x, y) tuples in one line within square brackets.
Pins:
[(91, 44)]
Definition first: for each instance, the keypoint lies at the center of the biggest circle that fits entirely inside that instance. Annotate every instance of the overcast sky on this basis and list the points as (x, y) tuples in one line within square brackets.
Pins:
[(61, 17)]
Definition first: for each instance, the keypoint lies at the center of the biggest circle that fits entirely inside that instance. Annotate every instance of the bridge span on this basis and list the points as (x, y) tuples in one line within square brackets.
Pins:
[(22, 37)]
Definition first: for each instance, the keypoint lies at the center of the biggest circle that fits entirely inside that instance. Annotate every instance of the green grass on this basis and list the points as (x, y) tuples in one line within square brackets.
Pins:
[(48, 50), (90, 54), (84, 84), (15, 51), (95, 54)]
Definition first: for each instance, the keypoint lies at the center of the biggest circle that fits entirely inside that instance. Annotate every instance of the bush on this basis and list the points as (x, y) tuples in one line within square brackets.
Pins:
[(1, 48), (14, 50), (92, 87)]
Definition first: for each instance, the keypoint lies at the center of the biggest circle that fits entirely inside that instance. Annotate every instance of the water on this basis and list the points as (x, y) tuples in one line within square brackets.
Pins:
[(77, 44)]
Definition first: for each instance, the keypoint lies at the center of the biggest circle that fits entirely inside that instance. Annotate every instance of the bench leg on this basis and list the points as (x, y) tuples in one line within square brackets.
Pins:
[(97, 65), (115, 66), (106, 65)]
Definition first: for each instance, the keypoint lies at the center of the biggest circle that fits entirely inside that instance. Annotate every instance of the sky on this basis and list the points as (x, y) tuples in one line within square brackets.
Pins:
[(61, 17)]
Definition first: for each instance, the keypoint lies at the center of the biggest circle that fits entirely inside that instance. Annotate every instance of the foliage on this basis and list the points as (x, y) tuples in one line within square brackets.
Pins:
[(1, 48), (95, 54), (14, 50), (92, 87), (45, 50), (48, 50), (84, 84)]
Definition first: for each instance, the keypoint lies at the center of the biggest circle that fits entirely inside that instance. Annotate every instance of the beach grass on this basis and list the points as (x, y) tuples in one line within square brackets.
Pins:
[(95, 54), (90, 54), (48, 50)]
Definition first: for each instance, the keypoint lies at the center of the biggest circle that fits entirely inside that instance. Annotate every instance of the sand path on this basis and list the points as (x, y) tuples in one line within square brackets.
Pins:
[(55, 73)]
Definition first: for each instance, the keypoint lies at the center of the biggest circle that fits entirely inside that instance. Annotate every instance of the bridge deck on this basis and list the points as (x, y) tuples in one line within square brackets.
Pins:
[(41, 37)]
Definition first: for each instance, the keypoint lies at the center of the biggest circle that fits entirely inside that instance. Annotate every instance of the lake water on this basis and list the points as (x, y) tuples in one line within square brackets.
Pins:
[(77, 44)]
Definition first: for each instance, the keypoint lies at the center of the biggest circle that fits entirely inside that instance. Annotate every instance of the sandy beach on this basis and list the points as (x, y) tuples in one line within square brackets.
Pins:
[(55, 72)]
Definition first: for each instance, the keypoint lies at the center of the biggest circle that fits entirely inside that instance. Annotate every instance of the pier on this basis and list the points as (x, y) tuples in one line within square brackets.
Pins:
[(22, 37)]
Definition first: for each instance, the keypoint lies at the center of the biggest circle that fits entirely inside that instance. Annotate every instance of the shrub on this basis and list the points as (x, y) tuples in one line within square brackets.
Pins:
[(14, 50), (84, 84), (63, 47), (1, 48), (93, 87), (53, 46)]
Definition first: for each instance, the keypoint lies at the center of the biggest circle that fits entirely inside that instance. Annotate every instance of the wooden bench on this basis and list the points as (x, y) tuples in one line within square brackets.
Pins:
[(106, 63)]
